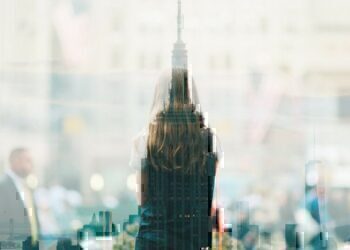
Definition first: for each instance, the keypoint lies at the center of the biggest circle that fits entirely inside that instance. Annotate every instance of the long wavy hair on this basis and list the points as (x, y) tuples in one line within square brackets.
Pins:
[(176, 135)]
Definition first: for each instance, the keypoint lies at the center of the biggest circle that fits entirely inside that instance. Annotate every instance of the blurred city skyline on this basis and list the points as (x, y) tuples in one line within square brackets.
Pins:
[(77, 79)]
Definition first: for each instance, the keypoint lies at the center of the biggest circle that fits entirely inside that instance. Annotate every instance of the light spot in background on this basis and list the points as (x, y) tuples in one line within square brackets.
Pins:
[(97, 182), (110, 201), (131, 182), (32, 181), (73, 125), (74, 198), (76, 224)]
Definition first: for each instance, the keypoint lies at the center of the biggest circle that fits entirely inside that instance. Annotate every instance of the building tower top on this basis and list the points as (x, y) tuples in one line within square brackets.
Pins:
[(179, 59), (180, 25)]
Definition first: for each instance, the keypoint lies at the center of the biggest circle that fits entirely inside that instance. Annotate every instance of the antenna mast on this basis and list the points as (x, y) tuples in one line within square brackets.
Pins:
[(179, 59)]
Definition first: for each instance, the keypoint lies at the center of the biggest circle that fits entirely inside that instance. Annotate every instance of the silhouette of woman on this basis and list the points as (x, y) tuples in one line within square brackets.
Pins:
[(178, 169)]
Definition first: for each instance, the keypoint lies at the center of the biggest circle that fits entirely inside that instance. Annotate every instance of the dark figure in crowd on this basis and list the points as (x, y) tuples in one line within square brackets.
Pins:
[(18, 213), (315, 203), (178, 171)]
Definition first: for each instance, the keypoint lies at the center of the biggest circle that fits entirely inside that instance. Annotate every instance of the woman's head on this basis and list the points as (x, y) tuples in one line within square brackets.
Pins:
[(174, 89), (176, 136)]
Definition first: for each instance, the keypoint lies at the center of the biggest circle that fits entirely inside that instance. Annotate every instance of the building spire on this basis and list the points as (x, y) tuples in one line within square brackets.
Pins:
[(179, 59), (179, 21)]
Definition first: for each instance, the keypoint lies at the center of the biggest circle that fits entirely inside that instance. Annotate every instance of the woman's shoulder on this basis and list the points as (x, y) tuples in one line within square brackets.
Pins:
[(140, 140), (138, 152), (215, 143)]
